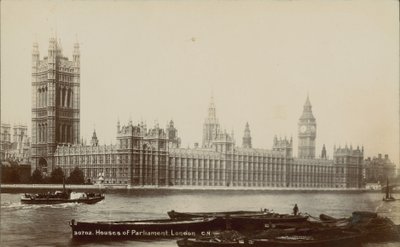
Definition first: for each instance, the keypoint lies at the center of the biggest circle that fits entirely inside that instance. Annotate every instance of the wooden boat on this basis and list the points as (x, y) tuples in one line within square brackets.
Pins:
[(59, 197), (259, 222), (372, 227), (306, 239), (271, 218), (388, 196), (161, 228), (190, 215), (243, 220), (342, 240), (375, 228)]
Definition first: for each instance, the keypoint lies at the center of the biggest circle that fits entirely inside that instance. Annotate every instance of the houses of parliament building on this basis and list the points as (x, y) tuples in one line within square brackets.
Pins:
[(152, 156)]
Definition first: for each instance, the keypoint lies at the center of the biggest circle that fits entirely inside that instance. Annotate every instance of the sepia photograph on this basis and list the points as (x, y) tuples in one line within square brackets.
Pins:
[(200, 123)]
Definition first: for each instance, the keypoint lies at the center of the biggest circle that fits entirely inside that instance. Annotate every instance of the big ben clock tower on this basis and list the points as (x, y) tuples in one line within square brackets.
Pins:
[(307, 132)]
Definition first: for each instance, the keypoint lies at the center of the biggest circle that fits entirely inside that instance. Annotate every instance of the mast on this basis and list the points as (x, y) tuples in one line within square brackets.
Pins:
[(387, 188)]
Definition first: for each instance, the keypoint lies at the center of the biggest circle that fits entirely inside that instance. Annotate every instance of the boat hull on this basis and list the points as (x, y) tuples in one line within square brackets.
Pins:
[(61, 200), (190, 215), (243, 220), (152, 229), (347, 241), (388, 199), (259, 222)]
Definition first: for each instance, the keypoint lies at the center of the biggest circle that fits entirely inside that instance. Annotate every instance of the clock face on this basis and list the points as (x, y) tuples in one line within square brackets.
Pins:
[(303, 129)]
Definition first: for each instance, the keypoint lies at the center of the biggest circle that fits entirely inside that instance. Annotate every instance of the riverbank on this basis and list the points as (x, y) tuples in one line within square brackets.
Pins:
[(9, 188)]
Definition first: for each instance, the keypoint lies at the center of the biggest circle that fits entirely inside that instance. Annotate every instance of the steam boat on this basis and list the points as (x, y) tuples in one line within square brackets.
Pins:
[(61, 197)]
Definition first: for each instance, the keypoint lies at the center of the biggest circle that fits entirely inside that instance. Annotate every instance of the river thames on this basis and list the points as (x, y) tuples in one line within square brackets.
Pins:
[(48, 225)]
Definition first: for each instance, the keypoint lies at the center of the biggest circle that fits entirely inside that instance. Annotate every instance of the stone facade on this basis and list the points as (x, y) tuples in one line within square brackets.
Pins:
[(5, 141), (139, 157), (55, 103), (153, 157), (17, 147), (378, 169), (348, 164)]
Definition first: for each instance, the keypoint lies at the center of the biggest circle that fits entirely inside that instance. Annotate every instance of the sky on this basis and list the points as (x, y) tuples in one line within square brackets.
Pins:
[(154, 61)]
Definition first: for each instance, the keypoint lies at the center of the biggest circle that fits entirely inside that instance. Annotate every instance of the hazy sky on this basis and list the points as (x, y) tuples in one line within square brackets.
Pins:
[(161, 60)]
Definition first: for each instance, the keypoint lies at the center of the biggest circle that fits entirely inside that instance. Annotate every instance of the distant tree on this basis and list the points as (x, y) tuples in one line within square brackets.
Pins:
[(14, 175), (57, 176), (5, 174), (37, 177), (76, 176), (10, 174)]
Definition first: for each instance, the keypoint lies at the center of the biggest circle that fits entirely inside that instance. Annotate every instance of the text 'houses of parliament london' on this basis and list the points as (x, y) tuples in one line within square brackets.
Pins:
[(152, 156)]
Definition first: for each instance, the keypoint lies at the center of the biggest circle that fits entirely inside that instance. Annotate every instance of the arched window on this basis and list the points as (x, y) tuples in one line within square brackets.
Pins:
[(70, 134), (57, 97), (60, 137), (71, 98), (45, 97), (42, 97), (39, 133), (45, 133), (38, 99), (65, 130), (63, 97), (60, 97), (42, 131)]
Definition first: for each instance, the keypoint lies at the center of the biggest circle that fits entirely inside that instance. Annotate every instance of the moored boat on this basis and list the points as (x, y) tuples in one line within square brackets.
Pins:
[(388, 196), (243, 220), (139, 229), (189, 215), (297, 238), (373, 228), (59, 197), (259, 222)]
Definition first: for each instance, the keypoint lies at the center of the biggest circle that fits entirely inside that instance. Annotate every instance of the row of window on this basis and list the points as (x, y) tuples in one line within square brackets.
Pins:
[(241, 158)]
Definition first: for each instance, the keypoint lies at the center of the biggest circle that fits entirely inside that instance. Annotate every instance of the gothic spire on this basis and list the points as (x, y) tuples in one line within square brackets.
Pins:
[(211, 109), (247, 137), (307, 110), (94, 140)]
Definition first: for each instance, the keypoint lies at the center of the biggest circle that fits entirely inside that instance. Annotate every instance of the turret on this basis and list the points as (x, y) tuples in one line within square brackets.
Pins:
[(247, 137), (211, 126), (323, 152), (94, 142), (52, 52), (76, 54), (59, 48), (35, 53), (211, 109), (283, 145), (172, 135)]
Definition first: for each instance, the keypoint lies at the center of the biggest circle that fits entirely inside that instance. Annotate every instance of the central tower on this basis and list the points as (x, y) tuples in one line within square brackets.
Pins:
[(211, 126), (55, 103), (307, 132)]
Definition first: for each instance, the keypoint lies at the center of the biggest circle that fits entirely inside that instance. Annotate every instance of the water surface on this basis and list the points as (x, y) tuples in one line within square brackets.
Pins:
[(47, 225)]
